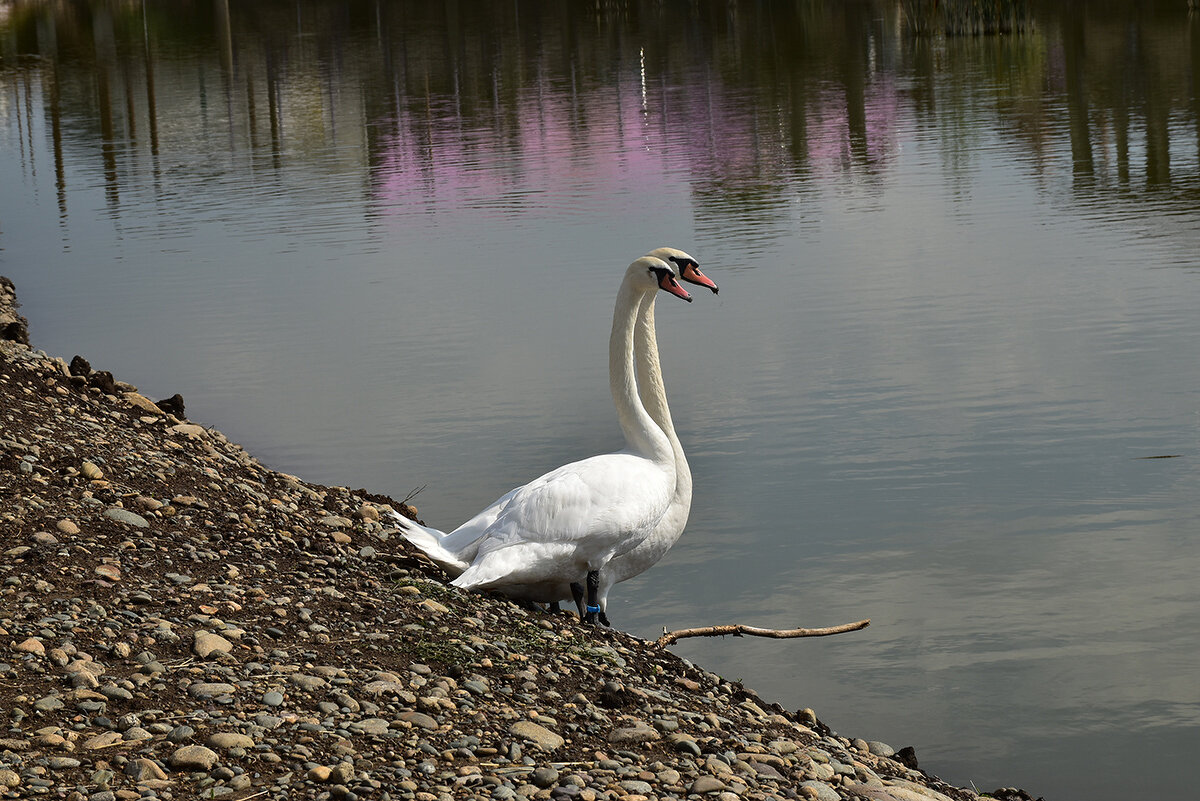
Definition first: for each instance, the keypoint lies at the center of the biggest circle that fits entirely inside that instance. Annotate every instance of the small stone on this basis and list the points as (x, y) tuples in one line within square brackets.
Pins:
[(210, 689), (136, 734), (684, 744), (189, 430), (172, 405), (32, 646), (537, 734), (44, 539), (706, 784), (420, 720), (143, 403), (48, 739), (205, 644), (545, 776), (193, 757), (320, 774), (308, 683), (636, 786), (640, 733), (818, 791), (101, 778), (273, 698), (225, 740), (48, 704), (108, 572), (91, 472), (372, 726), (9, 778), (125, 516), (67, 527), (880, 748), (142, 770), (102, 740), (149, 504), (180, 734)]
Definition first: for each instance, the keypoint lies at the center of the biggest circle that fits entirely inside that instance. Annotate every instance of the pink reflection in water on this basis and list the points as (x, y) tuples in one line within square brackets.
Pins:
[(555, 149)]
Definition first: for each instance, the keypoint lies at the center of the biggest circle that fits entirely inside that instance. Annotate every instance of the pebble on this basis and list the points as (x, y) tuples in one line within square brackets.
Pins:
[(823, 792), (107, 571), (628, 735), (193, 757), (125, 516), (205, 644), (419, 719), (226, 740), (32, 645), (210, 689), (537, 734), (706, 784)]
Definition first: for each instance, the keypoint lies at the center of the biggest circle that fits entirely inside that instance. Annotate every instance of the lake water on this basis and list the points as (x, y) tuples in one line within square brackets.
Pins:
[(378, 243)]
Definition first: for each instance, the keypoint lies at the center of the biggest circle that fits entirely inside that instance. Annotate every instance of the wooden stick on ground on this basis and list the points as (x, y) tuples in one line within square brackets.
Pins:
[(737, 630)]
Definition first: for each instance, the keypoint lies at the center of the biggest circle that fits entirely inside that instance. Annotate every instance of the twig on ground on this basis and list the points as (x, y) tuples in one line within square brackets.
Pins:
[(737, 630)]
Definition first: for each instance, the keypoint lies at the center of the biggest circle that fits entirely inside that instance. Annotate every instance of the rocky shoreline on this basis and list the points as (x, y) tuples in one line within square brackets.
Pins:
[(178, 621)]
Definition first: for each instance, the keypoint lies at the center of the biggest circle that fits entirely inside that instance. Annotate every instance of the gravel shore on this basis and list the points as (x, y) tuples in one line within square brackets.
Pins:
[(178, 621)]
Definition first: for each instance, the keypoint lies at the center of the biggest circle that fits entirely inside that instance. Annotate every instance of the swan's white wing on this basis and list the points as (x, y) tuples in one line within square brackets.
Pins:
[(453, 551), (571, 519), (429, 541), (463, 539)]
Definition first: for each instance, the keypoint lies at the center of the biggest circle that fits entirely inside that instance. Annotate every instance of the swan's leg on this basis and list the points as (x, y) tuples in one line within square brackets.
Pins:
[(554, 608), (593, 589), (577, 594)]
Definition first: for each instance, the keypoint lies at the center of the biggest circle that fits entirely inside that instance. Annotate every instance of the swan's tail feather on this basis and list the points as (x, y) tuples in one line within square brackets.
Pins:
[(429, 540)]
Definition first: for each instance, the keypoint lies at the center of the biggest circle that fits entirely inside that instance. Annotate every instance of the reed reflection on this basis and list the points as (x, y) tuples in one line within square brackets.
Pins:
[(751, 103)]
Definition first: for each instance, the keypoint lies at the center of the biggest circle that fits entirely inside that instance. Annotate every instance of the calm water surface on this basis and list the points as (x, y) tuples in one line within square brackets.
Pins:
[(378, 244)]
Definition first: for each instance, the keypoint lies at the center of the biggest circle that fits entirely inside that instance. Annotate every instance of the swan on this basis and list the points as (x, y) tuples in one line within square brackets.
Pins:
[(573, 520), (653, 394)]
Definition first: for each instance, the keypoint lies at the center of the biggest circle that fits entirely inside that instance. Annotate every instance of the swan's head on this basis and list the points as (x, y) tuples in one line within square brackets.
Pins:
[(650, 273), (689, 268)]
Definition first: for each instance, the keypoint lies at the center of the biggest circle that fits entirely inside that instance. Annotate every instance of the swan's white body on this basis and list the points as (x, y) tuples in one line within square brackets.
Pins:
[(653, 393), (536, 539)]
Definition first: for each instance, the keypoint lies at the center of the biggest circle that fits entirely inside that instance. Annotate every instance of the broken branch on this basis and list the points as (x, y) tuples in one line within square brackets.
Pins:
[(737, 630)]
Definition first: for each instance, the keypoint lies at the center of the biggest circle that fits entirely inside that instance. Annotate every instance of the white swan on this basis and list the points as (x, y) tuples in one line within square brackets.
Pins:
[(573, 520), (654, 397)]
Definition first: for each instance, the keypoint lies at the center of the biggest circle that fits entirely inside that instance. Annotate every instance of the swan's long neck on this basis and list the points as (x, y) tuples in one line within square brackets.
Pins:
[(654, 397), (642, 434)]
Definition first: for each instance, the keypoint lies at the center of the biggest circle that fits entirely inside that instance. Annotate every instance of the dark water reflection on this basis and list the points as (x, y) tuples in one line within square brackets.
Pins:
[(959, 303), (747, 100)]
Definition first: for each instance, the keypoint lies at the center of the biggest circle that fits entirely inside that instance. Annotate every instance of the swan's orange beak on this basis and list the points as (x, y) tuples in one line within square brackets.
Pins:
[(669, 284), (692, 274)]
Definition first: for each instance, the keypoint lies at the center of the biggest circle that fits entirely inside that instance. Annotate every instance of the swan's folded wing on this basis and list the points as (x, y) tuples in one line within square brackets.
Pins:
[(593, 501), (581, 512), (464, 540)]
